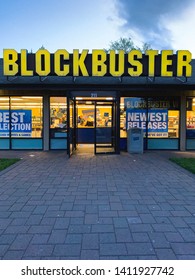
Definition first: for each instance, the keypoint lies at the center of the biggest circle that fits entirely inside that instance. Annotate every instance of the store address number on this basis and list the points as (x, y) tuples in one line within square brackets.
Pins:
[(94, 95)]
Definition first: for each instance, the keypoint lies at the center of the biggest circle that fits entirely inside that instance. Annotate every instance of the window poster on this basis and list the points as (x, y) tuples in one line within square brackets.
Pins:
[(20, 123), (153, 121)]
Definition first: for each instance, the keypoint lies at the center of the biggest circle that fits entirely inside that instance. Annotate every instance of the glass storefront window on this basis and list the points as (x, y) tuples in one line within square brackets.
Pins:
[(190, 119), (163, 118), (86, 117), (173, 123), (26, 116), (23, 117), (85, 113), (58, 122), (158, 117), (58, 112)]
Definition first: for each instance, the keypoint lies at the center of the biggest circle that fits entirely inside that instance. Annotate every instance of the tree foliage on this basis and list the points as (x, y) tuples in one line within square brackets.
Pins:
[(127, 45)]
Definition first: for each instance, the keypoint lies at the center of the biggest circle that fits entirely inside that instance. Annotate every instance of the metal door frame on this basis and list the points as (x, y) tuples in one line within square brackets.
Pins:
[(71, 130), (115, 117), (114, 126)]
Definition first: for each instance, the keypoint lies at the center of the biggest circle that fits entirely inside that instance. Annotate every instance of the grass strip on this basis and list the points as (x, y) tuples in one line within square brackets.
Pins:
[(4, 162), (187, 163)]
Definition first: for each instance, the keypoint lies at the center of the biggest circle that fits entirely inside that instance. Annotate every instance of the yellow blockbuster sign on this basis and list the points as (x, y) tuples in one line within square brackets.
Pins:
[(98, 63)]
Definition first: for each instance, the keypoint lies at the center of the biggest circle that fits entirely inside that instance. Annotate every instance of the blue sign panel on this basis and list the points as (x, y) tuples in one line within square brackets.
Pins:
[(156, 120), (21, 122)]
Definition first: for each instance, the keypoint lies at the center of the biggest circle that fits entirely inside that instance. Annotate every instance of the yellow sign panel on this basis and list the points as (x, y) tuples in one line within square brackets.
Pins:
[(98, 63)]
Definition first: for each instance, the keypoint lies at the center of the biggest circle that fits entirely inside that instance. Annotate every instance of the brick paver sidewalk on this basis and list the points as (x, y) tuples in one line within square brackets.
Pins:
[(96, 207)]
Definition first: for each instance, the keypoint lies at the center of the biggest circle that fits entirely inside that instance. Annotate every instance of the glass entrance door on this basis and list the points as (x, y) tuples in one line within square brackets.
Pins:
[(105, 127), (71, 126)]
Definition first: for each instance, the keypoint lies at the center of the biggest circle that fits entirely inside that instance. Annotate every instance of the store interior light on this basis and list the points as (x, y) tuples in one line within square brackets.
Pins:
[(92, 107), (31, 97), (86, 106), (26, 106), (58, 104), (26, 103)]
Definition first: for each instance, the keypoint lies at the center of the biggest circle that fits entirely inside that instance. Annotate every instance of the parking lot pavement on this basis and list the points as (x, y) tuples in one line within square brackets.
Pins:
[(127, 206)]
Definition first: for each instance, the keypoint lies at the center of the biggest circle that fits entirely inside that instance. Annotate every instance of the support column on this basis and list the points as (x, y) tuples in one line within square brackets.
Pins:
[(183, 123), (46, 122)]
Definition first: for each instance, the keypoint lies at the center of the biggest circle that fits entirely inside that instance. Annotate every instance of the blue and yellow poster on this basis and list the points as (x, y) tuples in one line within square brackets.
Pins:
[(18, 122), (154, 121)]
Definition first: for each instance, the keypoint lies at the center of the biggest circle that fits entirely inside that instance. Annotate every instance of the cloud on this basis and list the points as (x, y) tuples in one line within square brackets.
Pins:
[(183, 30), (148, 19)]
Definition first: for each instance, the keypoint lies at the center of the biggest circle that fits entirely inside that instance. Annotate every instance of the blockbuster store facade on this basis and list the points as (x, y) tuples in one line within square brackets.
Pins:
[(62, 100)]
